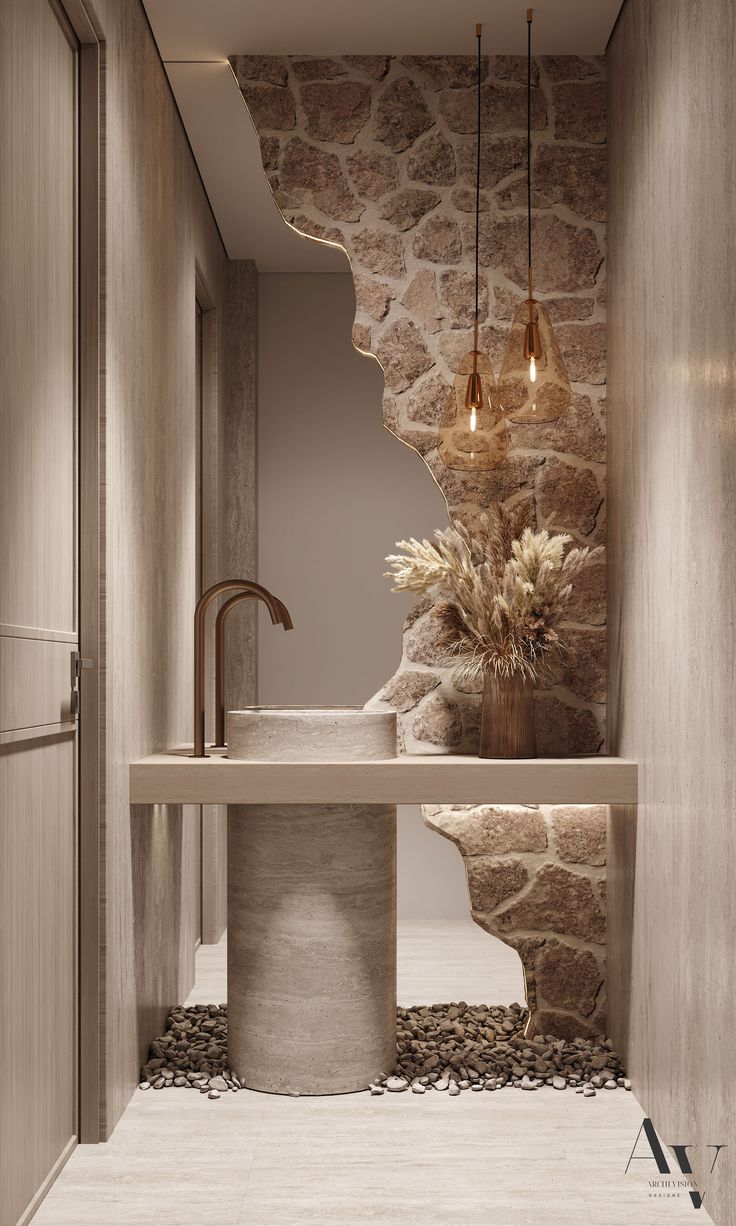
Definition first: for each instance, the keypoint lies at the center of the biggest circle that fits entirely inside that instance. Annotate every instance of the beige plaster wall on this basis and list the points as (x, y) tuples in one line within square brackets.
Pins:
[(672, 484)]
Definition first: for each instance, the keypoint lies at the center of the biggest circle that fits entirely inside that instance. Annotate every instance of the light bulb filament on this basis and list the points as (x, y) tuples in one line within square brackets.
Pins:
[(532, 369), (473, 419)]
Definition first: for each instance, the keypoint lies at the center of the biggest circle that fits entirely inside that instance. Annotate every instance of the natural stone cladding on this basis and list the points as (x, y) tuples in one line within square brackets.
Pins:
[(536, 879), (377, 153)]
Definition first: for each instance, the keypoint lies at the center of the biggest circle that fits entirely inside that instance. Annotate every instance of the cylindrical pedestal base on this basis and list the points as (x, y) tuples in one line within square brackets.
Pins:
[(311, 959)]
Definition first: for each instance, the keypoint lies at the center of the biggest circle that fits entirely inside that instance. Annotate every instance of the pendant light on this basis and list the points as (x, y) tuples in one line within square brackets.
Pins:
[(473, 434), (534, 384)]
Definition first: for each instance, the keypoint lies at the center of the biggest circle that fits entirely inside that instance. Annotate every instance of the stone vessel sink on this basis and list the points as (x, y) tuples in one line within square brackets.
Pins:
[(311, 912), (311, 734)]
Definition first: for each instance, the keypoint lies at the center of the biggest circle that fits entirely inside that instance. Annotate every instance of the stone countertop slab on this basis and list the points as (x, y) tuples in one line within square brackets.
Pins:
[(176, 778)]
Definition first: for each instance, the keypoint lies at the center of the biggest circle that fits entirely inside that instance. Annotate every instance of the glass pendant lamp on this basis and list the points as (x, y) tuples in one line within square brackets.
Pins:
[(534, 385), (473, 434)]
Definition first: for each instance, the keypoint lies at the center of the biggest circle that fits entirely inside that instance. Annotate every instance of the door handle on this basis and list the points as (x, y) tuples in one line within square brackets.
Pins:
[(78, 663)]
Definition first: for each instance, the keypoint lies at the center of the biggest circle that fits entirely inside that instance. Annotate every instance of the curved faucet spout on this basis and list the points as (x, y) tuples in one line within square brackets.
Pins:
[(245, 589)]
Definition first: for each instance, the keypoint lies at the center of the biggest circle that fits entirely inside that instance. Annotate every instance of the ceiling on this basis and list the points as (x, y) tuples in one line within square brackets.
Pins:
[(195, 39)]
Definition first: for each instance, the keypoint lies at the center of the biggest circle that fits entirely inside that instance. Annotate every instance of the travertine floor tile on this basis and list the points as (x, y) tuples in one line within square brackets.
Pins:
[(503, 1159)]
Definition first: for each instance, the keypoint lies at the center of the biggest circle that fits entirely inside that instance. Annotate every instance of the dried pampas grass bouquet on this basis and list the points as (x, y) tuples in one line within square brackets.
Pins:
[(501, 595)]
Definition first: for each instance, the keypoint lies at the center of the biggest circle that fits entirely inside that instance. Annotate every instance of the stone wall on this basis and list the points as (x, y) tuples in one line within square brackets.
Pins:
[(377, 153), (537, 881)]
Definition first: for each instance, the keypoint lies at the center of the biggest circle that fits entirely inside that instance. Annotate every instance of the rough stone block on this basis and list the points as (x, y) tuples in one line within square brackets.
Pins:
[(375, 66), (583, 346), (579, 432), (457, 295), (568, 977), (503, 107), (271, 106), (403, 354), (401, 114), (568, 495), (406, 207), (429, 400), (438, 723), (558, 901), (310, 172), (406, 688), (491, 881), (381, 251), (438, 239), (566, 257), (433, 161), (580, 833), (484, 830), (336, 110), (373, 173), (266, 68), (580, 111)]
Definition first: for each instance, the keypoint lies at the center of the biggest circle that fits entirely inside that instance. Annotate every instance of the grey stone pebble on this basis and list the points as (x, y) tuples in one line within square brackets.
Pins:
[(396, 1084), (376, 1090), (588, 1092), (452, 1044), (454, 1089), (213, 1094), (610, 1085), (145, 1085)]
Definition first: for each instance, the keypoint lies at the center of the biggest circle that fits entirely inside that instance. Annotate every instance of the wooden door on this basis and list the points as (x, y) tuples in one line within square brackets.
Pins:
[(38, 599)]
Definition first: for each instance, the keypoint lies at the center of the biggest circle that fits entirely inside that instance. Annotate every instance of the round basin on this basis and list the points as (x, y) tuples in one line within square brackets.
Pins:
[(311, 734)]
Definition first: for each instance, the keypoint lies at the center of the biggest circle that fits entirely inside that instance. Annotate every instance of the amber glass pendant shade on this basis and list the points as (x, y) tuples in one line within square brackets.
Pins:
[(473, 435), (533, 352)]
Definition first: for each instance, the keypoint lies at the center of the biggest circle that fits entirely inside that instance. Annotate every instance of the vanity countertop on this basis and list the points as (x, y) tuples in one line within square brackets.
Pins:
[(176, 778)]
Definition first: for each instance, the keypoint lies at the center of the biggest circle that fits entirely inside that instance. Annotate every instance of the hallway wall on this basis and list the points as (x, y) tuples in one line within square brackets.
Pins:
[(159, 229), (672, 507)]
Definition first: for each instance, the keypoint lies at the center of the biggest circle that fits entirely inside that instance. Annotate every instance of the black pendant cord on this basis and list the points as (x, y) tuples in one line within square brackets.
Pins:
[(477, 186), (529, 136)]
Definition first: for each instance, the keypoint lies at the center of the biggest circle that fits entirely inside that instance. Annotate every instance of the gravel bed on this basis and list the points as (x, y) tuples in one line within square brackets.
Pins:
[(446, 1047)]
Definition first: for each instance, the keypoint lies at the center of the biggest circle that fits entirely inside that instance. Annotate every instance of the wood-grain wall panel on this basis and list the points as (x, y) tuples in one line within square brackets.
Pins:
[(37, 307), (35, 682), (37, 956), (159, 231), (672, 574)]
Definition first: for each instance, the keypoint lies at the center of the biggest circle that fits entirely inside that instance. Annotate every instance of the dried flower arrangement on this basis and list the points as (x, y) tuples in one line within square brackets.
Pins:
[(502, 592)]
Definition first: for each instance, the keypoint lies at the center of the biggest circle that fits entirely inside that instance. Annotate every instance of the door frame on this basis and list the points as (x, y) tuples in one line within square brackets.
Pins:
[(91, 735)]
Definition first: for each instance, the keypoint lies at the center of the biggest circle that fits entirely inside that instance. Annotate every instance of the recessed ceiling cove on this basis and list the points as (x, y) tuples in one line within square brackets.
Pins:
[(189, 29), (195, 40)]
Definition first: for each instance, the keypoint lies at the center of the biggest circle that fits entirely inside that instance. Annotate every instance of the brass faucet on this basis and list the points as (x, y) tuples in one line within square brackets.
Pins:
[(246, 588), (222, 616)]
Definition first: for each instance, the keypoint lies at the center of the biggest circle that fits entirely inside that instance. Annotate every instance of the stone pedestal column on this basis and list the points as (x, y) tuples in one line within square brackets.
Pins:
[(311, 946)]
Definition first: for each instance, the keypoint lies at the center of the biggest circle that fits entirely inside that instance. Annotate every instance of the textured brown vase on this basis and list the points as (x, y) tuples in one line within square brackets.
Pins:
[(507, 718)]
